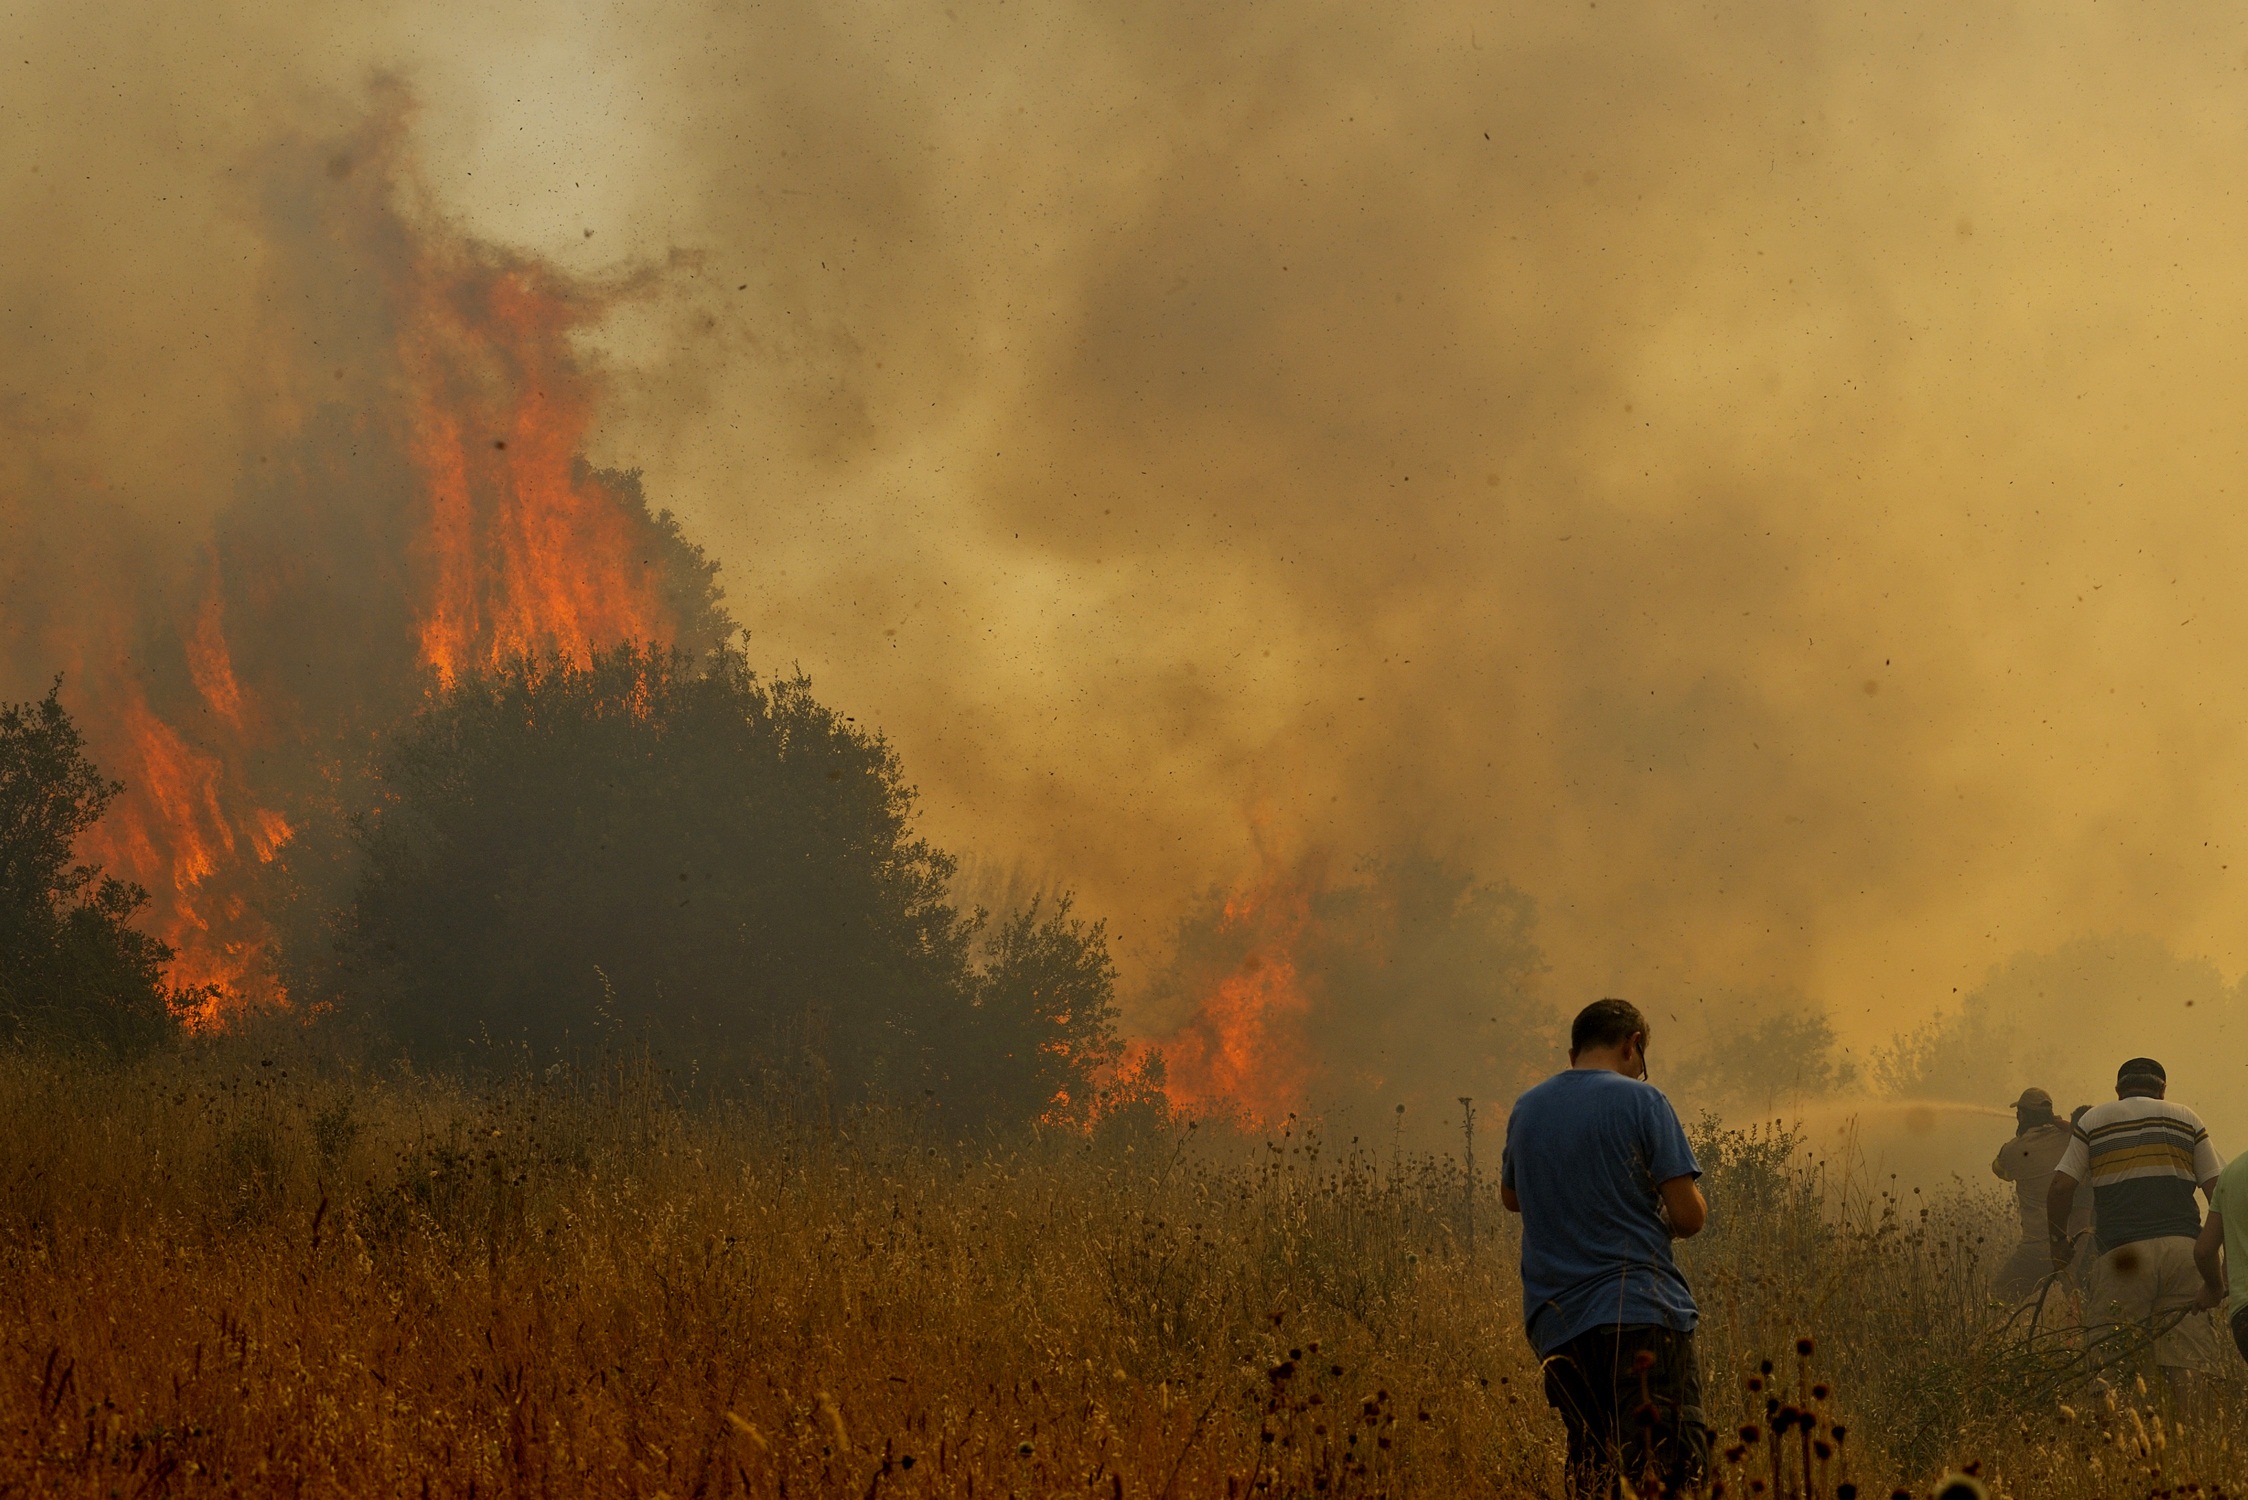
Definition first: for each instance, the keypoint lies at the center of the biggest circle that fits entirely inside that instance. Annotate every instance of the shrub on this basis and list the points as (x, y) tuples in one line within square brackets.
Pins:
[(74, 971), (684, 855)]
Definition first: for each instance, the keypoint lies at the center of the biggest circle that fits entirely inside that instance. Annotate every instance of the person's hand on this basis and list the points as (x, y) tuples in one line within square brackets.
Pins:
[(2209, 1296)]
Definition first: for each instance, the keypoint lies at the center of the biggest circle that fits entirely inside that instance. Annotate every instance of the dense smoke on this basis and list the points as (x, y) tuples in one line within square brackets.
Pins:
[(1756, 481), (1751, 480)]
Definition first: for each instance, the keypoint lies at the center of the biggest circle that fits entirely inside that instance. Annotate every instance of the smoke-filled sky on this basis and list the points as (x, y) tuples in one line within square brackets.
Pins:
[(1757, 477)]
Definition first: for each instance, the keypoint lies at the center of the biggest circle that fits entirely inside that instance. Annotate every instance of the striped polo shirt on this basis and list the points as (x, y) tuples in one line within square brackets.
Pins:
[(2144, 1158)]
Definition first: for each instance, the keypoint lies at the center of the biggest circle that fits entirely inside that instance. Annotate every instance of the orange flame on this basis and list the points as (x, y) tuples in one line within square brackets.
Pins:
[(525, 553), (211, 664), (1246, 1052), (175, 831), (516, 547)]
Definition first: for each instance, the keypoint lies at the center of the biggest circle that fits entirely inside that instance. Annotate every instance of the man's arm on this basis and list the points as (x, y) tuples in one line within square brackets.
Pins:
[(1684, 1207), (1510, 1198), (2060, 1197), (2209, 1256)]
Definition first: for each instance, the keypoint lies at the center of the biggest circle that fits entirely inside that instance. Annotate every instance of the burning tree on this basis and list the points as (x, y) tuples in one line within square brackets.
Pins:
[(595, 817), (73, 969), (411, 503)]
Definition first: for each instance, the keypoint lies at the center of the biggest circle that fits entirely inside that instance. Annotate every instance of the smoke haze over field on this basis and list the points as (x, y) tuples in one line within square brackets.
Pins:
[(1757, 478)]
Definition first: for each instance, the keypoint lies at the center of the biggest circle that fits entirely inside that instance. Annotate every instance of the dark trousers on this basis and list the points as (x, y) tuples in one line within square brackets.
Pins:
[(1631, 1399), (2240, 1332)]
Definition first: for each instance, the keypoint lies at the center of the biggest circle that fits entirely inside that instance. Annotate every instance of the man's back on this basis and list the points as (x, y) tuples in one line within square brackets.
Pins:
[(2144, 1157), (1585, 1153), (2027, 1161)]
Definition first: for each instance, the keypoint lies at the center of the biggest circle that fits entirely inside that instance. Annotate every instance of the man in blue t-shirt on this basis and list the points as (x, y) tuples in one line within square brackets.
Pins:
[(1600, 1171)]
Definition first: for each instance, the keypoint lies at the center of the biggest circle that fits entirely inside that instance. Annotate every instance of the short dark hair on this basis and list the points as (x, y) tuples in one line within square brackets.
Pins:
[(1606, 1023)]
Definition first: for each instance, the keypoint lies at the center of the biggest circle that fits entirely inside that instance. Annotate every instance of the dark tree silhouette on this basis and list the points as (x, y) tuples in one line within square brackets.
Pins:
[(73, 970), (1043, 1033), (712, 863)]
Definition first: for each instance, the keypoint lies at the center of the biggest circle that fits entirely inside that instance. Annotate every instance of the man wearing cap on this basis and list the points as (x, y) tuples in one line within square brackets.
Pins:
[(2027, 1161), (2144, 1156)]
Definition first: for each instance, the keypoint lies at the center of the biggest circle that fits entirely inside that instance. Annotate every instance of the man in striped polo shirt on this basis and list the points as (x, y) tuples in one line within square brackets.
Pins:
[(2144, 1156)]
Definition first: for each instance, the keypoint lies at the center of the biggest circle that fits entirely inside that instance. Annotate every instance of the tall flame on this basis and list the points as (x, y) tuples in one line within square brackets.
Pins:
[(525, 553), (431, 518), (183, 829), (1246, 1052), (211, 664)]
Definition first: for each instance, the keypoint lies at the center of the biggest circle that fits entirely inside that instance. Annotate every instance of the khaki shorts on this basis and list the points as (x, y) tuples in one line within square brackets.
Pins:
[(2146, 1279)]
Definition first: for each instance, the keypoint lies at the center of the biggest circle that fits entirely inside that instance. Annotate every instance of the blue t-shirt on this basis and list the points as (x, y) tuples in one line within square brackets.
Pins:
[(1584, 1151)]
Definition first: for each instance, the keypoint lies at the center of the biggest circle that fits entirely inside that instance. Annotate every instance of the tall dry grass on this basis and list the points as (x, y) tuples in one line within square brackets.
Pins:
[(244, 1269)]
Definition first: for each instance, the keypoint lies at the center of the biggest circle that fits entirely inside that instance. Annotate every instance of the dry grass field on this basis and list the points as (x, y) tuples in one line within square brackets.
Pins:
[(242, 1270)]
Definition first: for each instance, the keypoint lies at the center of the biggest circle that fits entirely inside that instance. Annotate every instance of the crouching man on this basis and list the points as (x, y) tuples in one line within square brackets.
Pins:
[(1599, 1168)]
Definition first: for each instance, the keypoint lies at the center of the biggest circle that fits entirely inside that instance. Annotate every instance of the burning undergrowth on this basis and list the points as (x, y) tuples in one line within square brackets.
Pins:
[(1402, 984)]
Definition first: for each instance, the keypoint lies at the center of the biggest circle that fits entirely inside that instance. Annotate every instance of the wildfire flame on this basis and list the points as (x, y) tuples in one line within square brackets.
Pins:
[(1246, 1051), (511, 546), (524, 552), (182, 829), (211, 664)]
